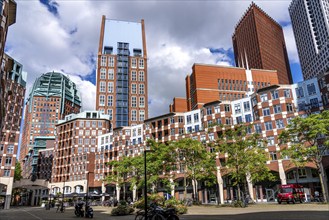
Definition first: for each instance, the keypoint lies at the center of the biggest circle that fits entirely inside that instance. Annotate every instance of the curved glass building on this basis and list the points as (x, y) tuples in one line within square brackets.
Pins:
[(52, 97)]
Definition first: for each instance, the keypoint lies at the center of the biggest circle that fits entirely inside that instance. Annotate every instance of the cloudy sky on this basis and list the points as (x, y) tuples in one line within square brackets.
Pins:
[(63, 35)]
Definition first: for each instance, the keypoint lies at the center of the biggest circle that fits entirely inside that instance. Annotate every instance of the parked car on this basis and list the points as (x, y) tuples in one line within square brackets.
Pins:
[(291, 193)]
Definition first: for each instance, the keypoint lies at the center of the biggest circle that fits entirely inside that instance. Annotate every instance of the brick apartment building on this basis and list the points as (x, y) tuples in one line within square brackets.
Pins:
[(121, 88), (74, 154), (258, 42), (209, 83), (53, 96), (15, 85)]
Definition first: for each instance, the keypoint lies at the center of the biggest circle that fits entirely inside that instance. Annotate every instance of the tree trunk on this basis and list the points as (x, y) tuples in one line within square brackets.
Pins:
[(239, 192), (324, 186)]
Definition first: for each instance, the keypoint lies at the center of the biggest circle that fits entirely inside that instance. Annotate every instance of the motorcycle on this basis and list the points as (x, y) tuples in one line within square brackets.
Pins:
[(89, 212), (79, 210)]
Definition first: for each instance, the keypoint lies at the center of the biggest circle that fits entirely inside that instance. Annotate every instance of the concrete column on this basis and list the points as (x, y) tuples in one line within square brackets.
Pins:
[(250, 187), (7, 201), (134, 193), (205, 193), (118, 192), (33, 197), (220, 185), (282, 174), (172, 187), (103, 191)]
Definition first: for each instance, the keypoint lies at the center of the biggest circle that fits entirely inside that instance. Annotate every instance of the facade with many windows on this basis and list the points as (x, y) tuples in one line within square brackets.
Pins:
[(122, 72)]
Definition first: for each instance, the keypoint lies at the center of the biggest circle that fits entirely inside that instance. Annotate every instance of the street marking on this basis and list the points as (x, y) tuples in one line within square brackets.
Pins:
[(32, 214)]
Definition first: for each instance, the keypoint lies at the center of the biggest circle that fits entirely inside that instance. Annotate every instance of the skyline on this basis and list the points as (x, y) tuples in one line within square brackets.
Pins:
[(68, 44)]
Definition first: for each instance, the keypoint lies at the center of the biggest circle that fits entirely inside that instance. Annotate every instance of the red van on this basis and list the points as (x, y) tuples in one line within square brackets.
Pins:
[(291, 193)]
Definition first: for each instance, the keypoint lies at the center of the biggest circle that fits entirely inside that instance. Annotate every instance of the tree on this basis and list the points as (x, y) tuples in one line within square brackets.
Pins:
[(308, 139), (18, 172), (246, 157), (199, 165)]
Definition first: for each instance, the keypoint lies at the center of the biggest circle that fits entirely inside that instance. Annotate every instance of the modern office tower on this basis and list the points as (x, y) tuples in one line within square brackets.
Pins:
[(258, 43), (15, 83), (53, 96), (209, 83), (74, 153), (310, 23), (7, 17), (122, 72)]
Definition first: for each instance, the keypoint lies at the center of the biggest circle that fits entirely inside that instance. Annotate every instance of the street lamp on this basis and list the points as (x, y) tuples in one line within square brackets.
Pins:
[(145, 181)]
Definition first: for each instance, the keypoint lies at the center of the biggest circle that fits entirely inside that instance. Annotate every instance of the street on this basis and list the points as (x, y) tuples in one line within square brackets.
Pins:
[(259, 211)]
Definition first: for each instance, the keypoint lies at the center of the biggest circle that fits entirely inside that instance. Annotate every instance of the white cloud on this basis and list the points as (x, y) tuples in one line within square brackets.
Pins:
[(291, 44), (178, 34)]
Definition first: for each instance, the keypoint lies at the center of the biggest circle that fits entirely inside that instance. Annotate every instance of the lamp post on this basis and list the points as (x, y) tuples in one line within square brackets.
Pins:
[(62, 206), (145, 181)]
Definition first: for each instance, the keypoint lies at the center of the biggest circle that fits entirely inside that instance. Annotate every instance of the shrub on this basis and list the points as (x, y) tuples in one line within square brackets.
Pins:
[(181, 209), (122, 210)]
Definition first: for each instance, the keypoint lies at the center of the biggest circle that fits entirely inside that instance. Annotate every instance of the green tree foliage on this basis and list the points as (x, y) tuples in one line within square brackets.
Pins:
[(18, 172), (199, 165), (246, 156), (308, 139)]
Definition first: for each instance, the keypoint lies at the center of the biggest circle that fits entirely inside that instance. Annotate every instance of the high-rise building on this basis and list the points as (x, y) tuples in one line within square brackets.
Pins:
[(7, 17), (310, 23), (53, 96), (15, 83), (122, 72), (258, 43), (208, 83)]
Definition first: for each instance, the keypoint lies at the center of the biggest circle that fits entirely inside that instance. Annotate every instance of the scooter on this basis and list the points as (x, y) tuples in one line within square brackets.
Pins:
[(79, 210), (89, 212)]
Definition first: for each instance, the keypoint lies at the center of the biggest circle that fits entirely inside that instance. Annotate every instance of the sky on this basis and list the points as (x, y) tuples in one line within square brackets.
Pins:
[(63, 36)]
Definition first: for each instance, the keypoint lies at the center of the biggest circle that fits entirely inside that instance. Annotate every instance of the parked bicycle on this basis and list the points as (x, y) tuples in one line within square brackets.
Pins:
[(156, 212)]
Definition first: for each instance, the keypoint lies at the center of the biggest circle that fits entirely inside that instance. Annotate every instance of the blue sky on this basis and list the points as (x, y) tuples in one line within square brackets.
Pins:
[(65, 37)]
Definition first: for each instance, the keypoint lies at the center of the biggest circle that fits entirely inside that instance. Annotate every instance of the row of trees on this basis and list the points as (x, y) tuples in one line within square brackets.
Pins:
[(245, 156)]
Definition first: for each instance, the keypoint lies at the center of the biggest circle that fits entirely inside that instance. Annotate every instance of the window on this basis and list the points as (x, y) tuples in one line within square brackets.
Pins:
[(314, 103), (211, 136), (209, 112), (300, 92), (87, 141), (8, 161), (237, 108), (289, 120), (172, 120), (254, 101), (196, 117), (172, 131), (273, 155), (110, 87), (141, 88), (270, 141), (80, 132), (6, 172), (275, 94), (248, 118), (141, 101), (141, 115), (10, 149), (133, 88), (246, 106), (188, 119), (110, 113), (196, 128), (110, 100), (268, 126), (141, 63), (133, 115), (279, 123), (111, 74), (103, 61), (289, 107), (228, 121), (102, 86), (227, 108), (266, 112), (302, 173), (189, 129), (287, 93), (180, 119), (133, 101), (277, 109), (263, 97), (133, 75), (111, 61), (141, 76), (102, 100), (180, 131), (133, 63), (102, 73), (311, 89), (239, 120), (258, 128)]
